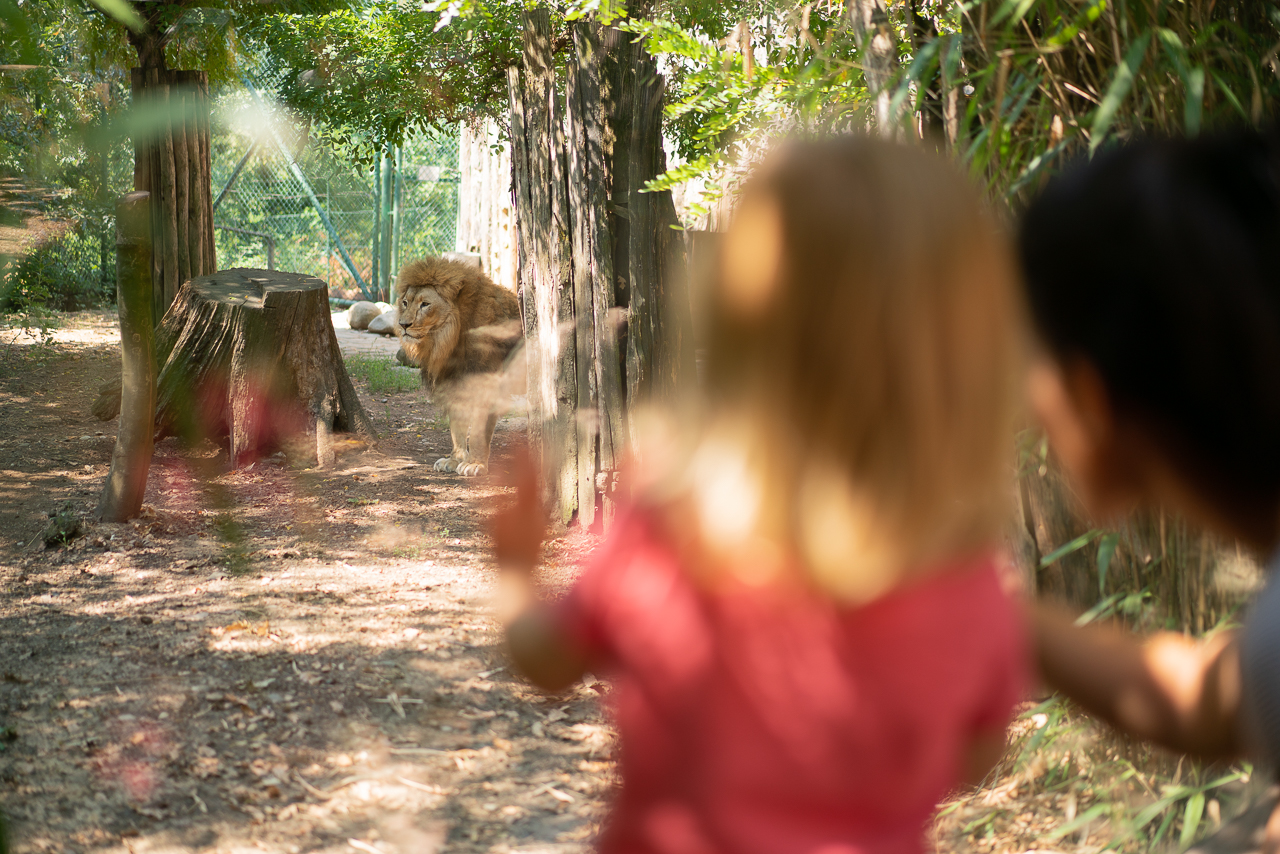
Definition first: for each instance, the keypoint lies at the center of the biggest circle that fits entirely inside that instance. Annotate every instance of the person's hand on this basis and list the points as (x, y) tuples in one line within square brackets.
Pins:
[(519, 528)]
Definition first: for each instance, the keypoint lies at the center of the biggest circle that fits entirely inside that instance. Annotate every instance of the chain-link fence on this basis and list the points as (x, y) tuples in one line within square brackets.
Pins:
[(299, 208), (273, 214)]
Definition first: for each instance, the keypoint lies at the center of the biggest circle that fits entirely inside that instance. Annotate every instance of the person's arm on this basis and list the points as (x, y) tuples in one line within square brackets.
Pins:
[(538, 646), (1167, 689)]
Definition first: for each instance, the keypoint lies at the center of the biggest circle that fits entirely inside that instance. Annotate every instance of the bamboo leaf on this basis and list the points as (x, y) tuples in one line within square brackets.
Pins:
[(1105, 608), (1106, 551), (920, 67), (1164, 826), (1231, 96), (1191, 819), (1126, 73), (1195, 100), (122, 11), (1078, 822), (1073, 546)]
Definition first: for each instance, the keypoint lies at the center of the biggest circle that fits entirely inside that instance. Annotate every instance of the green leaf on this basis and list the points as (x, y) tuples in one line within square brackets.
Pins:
[(1078, 822), (1106, 551), (1126, 73), (1164, 825), (1073, 546), (122, 11), (1105, 608), (1195, 100), (920, 67), (1191, 819), (1231, 96)]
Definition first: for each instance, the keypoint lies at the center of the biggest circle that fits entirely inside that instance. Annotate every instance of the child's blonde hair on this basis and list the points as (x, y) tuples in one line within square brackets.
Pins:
[(863, 342)]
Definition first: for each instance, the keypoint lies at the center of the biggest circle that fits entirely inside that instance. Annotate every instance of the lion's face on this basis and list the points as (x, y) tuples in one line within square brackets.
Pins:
[(420, 311)]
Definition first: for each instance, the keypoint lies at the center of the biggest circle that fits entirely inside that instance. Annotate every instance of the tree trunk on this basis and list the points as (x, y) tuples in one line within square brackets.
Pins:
[(173, 164), (131, 460), (251, 355)]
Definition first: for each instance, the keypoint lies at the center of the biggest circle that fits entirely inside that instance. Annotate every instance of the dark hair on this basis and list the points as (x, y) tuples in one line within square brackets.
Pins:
[(1159, 264)]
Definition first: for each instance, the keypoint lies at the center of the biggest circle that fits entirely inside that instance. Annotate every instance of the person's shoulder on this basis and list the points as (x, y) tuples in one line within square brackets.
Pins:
[(977, 588)]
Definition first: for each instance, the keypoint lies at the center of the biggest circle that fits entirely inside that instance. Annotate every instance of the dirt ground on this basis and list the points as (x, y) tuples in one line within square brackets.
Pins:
[(313, 666), (315, 669)]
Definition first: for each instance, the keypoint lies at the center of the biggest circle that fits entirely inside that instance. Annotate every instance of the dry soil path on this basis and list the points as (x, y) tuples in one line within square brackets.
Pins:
[(309, 666)]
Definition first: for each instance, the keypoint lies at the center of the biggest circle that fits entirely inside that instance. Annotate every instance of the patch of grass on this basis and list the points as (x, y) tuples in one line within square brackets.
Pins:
[(1070, 783), (383, 375)]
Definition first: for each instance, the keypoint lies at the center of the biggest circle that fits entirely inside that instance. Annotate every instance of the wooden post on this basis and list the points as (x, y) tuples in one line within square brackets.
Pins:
[(546, 277), (178, 103), (375, 250), (600, 397), (396, 201), (388, 230), (130, 461)]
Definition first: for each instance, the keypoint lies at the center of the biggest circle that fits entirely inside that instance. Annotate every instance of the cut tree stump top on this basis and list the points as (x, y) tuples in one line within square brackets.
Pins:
[(254, 288)]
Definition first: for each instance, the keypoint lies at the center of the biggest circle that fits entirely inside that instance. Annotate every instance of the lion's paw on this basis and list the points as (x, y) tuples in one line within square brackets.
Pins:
[(446, 464), (473, 469)]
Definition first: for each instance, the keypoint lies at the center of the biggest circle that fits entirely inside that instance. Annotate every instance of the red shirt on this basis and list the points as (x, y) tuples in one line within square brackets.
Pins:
[(765, 720)]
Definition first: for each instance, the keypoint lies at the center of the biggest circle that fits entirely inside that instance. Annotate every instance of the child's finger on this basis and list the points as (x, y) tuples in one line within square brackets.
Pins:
[(518, 529), (525, 478)]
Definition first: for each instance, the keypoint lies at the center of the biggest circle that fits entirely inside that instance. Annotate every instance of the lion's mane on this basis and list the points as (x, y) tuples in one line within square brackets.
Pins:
[(454, 320)]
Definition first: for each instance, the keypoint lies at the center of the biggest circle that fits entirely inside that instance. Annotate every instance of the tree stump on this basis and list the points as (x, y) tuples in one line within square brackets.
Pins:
[(251, 355)]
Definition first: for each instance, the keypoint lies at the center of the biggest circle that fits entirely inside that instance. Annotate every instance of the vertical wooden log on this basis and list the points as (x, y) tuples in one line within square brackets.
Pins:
[(643, 266), (659, 339), (468, 192), (197, 185), (546, 260), (397, 201), (155, 150), (375, 250), (131, 460), (204, 216), (141, 147), (168, 205), (581, 90), (592, 146), (522, 192), (388, 193), (562, 277), (178, 104)]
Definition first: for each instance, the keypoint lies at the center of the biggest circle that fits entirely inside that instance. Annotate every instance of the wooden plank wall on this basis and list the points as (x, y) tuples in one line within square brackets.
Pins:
[(486, 214), (606, 321)]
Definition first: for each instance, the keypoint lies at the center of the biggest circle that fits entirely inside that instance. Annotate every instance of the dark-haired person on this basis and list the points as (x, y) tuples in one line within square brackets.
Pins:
[(1153, 278)]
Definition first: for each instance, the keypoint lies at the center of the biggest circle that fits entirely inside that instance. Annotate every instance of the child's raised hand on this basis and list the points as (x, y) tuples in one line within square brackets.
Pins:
[(519, 528)]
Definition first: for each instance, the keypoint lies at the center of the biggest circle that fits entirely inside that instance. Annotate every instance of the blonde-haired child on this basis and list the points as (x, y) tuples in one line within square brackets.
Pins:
[(805, 628)]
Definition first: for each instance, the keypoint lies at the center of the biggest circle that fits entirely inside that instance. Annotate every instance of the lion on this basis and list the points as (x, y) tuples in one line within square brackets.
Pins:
[(459, 328)]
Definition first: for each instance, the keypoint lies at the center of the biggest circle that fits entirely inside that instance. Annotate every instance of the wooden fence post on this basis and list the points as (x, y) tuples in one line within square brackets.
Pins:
[(131, 460), (546, 277), (593, 248)]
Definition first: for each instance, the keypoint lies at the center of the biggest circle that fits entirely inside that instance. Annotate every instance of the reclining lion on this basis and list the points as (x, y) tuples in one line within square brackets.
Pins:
[(459, 327)]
